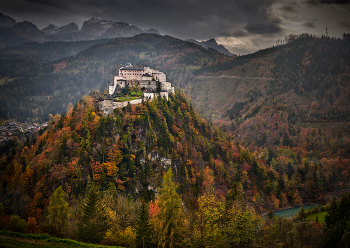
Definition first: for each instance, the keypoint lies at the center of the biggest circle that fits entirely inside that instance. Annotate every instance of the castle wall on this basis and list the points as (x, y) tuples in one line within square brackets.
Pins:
[(124, 104), (148, 96), (108, 106), (159, 76), (116, 78), (111, 89), (148, 84), (166, 86), (131, 74), (164, 94)]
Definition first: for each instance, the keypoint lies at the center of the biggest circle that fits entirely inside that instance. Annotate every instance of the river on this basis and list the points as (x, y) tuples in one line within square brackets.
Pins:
[(290, 212)]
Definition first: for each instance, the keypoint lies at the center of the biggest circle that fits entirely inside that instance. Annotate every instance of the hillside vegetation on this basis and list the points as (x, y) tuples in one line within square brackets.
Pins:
[(45, 87), (155, 151)]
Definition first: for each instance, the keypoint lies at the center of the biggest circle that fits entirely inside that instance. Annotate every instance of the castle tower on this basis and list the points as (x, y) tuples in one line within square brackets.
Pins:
[(108, 104)]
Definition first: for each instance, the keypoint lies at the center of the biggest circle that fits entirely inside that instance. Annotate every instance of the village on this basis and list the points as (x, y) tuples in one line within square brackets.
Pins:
[(132, 85), (22, 130)]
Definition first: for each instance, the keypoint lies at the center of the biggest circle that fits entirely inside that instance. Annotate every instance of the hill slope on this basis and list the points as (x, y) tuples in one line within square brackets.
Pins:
[(50, 87)]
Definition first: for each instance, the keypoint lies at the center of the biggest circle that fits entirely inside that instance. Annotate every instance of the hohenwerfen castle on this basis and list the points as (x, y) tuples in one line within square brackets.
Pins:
[(153, 81)]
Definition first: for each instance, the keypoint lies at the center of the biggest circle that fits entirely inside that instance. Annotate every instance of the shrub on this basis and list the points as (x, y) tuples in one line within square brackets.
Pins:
[(315, 209), (32, 225), (17, 224), (323, 208)]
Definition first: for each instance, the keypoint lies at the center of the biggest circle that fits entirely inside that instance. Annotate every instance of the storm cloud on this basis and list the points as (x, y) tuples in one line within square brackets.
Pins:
[(243, 26), (199, 19)]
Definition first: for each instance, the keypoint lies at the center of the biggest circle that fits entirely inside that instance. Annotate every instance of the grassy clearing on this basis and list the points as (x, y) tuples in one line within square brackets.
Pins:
[(127, 98), (142, 55), (6, 80), (320, 216), (16, 239), (12, 243)]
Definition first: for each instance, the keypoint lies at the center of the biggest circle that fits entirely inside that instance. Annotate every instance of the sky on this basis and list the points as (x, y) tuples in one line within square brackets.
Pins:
[(242, 26)]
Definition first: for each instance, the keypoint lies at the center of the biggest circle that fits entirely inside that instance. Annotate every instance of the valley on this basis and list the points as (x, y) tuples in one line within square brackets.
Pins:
[(240, 136)]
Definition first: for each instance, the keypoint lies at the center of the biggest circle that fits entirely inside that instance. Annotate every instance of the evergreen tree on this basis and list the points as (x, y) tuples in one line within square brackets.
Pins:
[(337, 222), (331, 216), (143, 228), (170, 218), (58, 211), (301, 215), (93, 222)]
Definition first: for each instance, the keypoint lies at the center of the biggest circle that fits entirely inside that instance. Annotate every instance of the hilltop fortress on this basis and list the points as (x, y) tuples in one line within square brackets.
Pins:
[(152, 82)]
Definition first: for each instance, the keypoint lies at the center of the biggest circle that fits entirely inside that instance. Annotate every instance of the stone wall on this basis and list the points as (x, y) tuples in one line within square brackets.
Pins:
[(124, 104)]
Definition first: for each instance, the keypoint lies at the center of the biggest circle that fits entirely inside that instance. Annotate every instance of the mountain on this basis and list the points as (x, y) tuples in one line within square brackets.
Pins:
[(49, 51), (11, 37), (20, 33), (53, 31), (211, 43), (6, 21), (91, 69), (12, 33), (94, 28), (29, 29)]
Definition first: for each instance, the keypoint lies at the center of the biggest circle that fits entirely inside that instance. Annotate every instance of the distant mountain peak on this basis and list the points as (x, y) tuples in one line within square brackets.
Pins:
[(6, 21), (211, 43)]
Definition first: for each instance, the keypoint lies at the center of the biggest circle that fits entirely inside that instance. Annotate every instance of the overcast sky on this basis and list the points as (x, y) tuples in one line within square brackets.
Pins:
[(243, 26)]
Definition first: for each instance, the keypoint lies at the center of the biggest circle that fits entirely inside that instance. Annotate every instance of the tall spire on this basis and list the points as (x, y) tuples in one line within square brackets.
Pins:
[(326, 31)]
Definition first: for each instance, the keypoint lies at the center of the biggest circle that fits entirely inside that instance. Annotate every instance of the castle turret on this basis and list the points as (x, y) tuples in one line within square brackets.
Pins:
[(108, 104)]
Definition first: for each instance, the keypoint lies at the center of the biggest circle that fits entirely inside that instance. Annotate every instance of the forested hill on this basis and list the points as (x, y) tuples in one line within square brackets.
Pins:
[(132, 148), (49, 51), (34, 88), (288, 103), (308, 75)]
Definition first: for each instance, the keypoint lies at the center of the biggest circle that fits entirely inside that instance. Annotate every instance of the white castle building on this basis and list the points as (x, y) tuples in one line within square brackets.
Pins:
[(146, 78)]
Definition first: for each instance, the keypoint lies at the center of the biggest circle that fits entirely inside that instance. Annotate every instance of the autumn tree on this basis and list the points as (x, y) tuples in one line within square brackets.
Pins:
[(58, 212), (208, 226), (242, 223), (169, 220)]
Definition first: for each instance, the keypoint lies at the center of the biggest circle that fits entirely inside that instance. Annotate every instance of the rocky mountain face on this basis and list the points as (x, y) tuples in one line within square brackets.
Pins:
[(53, 31), (29, 29), (94, 28), (20, 33), (12, 33), (211, 43), (6, 21)]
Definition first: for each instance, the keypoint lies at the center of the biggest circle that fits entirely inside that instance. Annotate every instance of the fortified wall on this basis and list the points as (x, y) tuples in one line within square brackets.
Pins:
[(146, 78)]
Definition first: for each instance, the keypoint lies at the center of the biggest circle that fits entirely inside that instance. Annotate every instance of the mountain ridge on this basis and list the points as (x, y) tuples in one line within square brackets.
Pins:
[(212, 43)]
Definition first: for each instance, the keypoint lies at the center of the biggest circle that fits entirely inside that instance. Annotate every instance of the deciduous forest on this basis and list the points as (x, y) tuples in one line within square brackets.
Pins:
[(159, 174)]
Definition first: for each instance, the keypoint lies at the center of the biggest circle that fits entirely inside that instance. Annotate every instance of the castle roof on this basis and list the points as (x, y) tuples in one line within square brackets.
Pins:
[(108, 97), (131, 68), (146, 75), (99, 98)]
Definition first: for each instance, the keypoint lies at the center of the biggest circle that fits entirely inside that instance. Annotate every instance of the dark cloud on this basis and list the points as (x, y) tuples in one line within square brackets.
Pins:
[(289, 9), (345, 25), (199, 19), (264, 28), (240, 33), (336, 2), (309, 24)]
